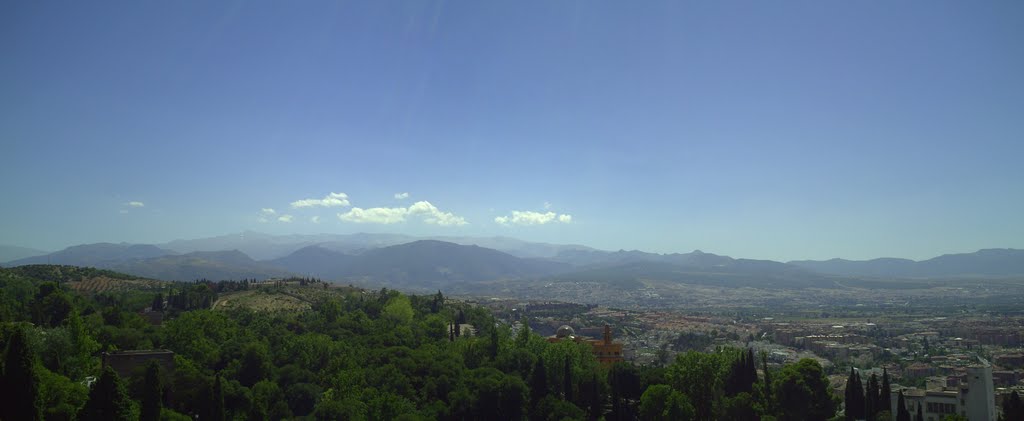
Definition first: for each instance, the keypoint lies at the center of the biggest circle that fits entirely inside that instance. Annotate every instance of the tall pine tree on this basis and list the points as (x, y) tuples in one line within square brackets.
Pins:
[(856, 405), (851, 396), (567, 380), (885, 394), (751, 370), (768, 398), (871, 403), (538, 382), (902, 414), (217, 412), (20, 384)]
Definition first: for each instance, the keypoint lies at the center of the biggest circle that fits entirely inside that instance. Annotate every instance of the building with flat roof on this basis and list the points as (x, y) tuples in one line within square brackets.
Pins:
[(127, 363)]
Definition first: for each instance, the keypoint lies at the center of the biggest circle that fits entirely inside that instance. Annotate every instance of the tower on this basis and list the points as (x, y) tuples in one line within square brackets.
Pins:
[(980, 399)]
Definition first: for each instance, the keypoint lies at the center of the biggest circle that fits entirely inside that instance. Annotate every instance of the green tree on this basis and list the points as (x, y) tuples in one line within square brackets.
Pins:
[(80, 361), (699, 377), (51, 305), (398, 310), (152, 393), (741, 407), (255, 364), (108, 400), (552, 408), (22, 400), (803, 393), (61, 397), (624, 383), (268, 402), (662, 402), (437, 303)]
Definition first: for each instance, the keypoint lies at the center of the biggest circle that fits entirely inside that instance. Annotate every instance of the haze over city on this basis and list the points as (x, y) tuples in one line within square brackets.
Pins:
[(761, 130)]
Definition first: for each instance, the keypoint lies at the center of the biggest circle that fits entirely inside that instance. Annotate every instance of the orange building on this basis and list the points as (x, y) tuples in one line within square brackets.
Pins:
[(605, 350)]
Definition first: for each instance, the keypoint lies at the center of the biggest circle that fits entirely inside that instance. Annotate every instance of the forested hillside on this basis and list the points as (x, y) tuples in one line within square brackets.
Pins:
[(352, 354)]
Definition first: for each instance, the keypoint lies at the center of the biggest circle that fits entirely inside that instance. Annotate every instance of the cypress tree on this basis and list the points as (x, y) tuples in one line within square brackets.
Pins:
[(538, 382), (1013, 407), (871, 408), (493, 345), (567, 380), (767, 381), (108, 400), (885, 394), (152, 394), (856, 407), (751, 370), (850, 396), (902, 414), (920, 413), (22, 400), (217, 408)]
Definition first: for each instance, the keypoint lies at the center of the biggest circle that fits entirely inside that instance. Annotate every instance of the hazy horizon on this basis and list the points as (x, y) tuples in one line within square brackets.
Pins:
[(415, 237), (782, 131)]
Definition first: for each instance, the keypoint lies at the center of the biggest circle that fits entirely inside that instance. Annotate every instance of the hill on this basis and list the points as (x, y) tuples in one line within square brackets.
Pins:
[(96, 255), (262, 246), (736, 273), (980, 264), (316, 261), (423, 263), (9, 253), (217, 265)]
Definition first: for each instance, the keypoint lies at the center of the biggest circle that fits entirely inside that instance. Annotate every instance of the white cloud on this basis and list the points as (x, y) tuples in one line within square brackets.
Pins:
[(432, 215), (315, 219), (402, 195), (533, 218), (285, 218), (424, 210), (135, 204), (329, 201), (265, 215), (374, 215), (547, 205)]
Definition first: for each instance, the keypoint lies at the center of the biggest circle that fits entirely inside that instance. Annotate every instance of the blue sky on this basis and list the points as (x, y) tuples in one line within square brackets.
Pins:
[(781, 130)]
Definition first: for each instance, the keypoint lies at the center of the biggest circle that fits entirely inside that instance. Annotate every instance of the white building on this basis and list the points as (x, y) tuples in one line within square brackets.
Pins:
[(974, 400)]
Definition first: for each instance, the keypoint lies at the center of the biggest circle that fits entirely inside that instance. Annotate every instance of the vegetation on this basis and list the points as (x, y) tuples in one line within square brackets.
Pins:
[(353, 354)]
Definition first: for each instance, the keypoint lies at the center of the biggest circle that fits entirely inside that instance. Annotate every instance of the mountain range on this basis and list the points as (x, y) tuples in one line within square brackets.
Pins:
[(405, 261), (980, 264)]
